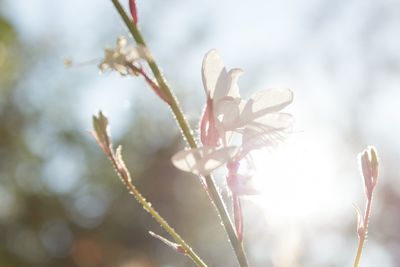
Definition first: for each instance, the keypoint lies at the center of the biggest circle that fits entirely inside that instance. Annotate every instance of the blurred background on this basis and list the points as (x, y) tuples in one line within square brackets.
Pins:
[(61, 203)]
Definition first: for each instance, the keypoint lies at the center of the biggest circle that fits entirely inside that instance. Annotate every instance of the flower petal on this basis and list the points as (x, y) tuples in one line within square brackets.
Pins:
[(203, 160), (227, 85), (264, 102), (256, 138), (227, 112), (274, 121), (213, 68), (266, 131), (217, 81)]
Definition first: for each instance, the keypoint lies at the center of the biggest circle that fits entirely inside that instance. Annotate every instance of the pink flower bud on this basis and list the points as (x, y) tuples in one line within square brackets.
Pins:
[(374, 163), (369, 164), (133, 9)]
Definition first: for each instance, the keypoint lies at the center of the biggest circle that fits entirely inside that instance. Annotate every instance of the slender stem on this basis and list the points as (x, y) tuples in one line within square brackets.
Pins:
[(125, 177), (362, 237), (164, 224), (226, 221), (179, 116), (188, 136), (238, 216)]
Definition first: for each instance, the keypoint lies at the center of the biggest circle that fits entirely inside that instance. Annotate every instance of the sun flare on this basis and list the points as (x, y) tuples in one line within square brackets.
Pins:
[(297, 182)]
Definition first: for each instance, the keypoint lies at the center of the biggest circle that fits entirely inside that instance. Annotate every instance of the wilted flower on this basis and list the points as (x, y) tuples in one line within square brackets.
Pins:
[(125, 60), (122, 57)]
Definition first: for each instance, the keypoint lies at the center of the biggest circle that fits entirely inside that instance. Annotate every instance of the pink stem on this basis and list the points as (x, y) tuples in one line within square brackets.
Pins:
[(238, 216), (208, 130), (232, 180), (154, 86), (150, 82)]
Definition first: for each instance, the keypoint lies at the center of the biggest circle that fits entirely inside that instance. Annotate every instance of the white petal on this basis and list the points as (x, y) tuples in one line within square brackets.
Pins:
[(217, 82), (266, 131), (266, 101), (227, 112), (227, 85), (212, 70), (254, 138), (274, 121), (202, 161)]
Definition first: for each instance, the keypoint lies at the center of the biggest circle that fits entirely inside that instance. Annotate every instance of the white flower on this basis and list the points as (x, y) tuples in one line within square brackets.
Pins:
[(258, 120)]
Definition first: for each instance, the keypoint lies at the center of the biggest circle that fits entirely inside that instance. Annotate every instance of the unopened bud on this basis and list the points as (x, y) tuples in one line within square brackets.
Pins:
[(374, 163), (133, 9), (100, 132), (369, 168)]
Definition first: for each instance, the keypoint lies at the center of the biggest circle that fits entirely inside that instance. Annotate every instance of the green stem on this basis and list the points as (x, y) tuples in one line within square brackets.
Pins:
[(226, 221), (188, 136), (126, 178), (361, 240), (185, 128)]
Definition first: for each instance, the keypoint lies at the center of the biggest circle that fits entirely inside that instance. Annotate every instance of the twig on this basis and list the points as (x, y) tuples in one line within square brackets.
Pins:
[(100, 133)]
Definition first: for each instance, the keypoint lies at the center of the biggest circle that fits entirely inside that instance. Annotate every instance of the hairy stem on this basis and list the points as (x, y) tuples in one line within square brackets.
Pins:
[(188, 136), (126, 179)]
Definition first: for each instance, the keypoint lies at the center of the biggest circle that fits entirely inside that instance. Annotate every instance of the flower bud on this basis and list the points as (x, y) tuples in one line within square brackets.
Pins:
[(374, 163), (369, 168), (133, 9)]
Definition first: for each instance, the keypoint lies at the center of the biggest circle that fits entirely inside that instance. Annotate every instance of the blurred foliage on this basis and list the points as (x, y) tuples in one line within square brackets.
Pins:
[(9, 59), (61, 204)]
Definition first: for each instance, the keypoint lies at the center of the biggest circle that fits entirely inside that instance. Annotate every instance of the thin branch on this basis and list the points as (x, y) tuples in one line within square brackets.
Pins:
[(100, 133)]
